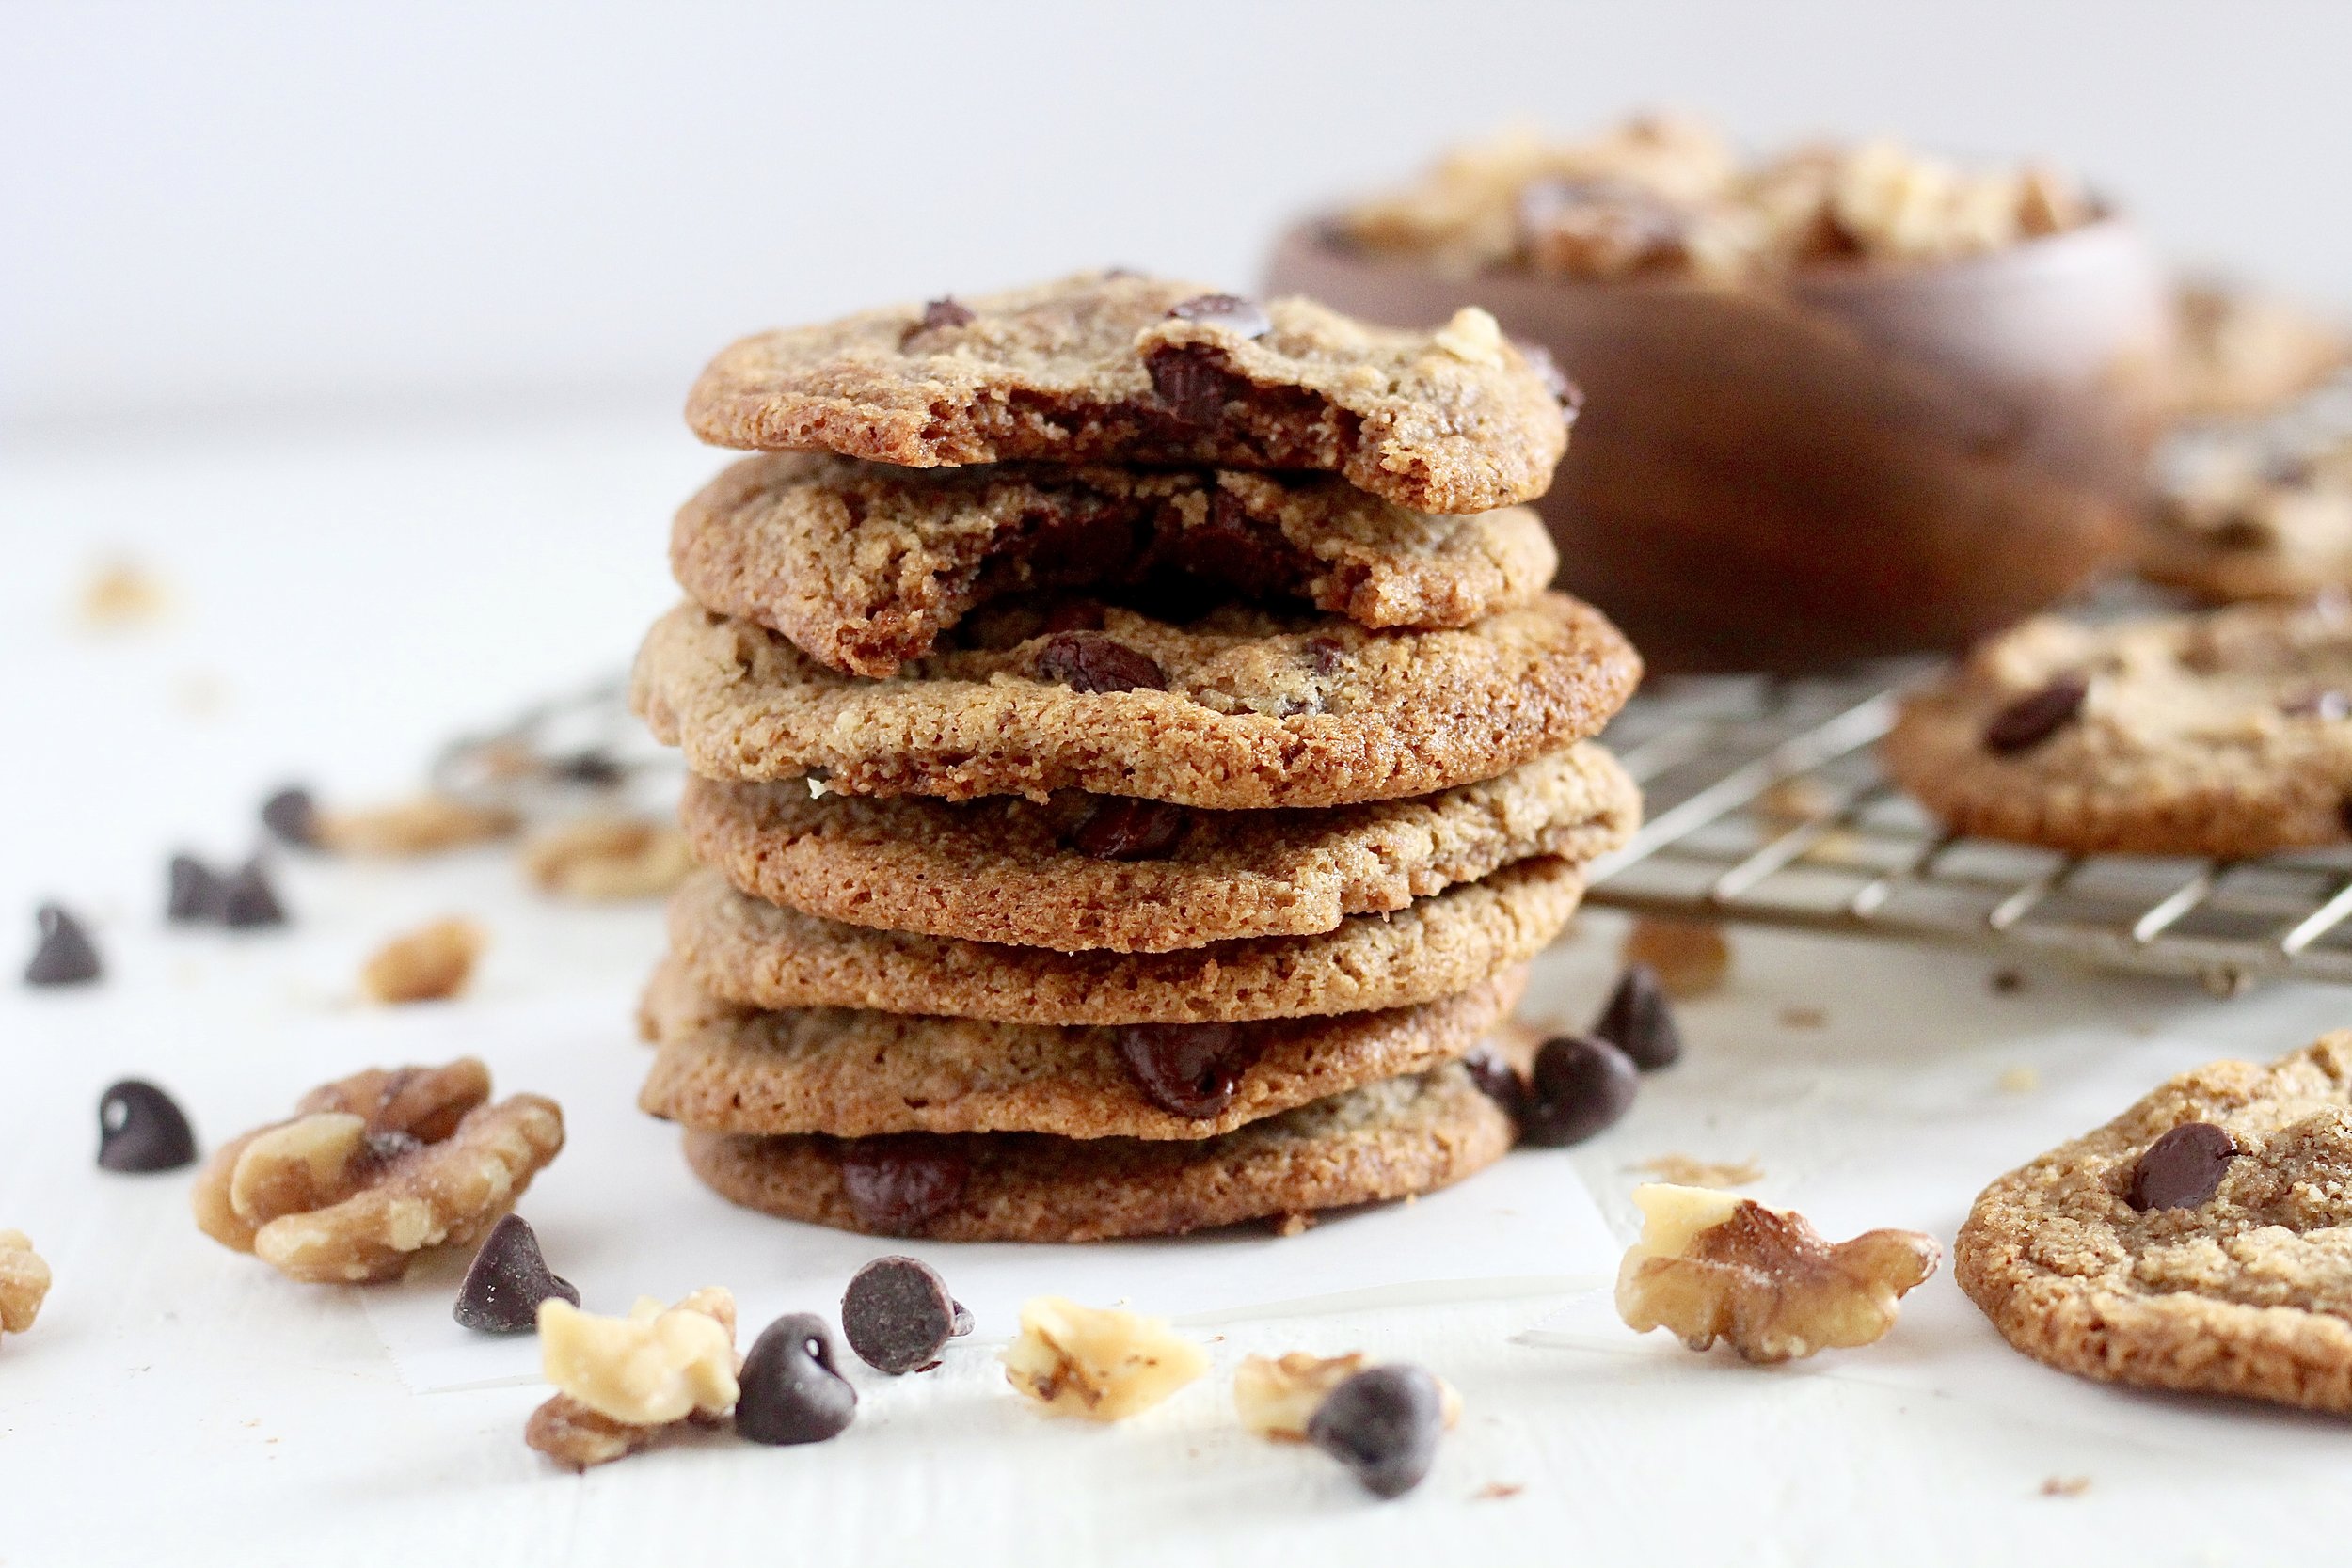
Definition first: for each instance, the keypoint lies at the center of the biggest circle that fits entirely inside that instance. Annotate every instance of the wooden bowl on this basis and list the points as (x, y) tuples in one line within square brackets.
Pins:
[(1861, 460)]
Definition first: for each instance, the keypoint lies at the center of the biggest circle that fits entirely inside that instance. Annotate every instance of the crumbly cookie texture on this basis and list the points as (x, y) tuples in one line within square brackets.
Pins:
[(1110, 368), (760, 956), (1082, 871), (1243, 709), (1386, 1140), (2223, 734), (865, 566), (2245, 530), (727, 1069), (375, 1168), (2247, 1292), (2242, 352)]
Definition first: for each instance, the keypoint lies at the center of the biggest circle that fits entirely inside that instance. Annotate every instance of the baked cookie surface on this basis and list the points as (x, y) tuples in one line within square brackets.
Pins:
[(2223, 734), (1110, 368), (2238, 352), (2267, 531), (1243, 709), (722, 1067), (2201, 1241), (760, 956), (863, 566), (1083, 871)]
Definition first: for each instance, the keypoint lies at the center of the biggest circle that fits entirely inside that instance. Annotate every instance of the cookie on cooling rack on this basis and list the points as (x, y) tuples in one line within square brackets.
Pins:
[(2280, 530), (2227, 733)]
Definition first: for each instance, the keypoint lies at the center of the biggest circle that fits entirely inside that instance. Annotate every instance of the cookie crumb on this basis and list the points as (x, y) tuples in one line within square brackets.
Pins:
[(2020, 1080), (1803, 1018), (430, 964), (1292, 1225), (1682, 1170), (2065, 1486), (120, 595), (1691, 957), (1494, 1491), (608, 858)]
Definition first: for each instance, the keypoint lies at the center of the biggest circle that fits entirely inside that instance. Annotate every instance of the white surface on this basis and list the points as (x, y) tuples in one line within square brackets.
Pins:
[(351, 599)]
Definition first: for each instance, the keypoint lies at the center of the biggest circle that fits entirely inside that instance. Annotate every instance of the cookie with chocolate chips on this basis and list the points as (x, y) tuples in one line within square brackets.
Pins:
[(2257, 530), (1112, 368), (2223, 734), (866, 566), (2199, 1241)]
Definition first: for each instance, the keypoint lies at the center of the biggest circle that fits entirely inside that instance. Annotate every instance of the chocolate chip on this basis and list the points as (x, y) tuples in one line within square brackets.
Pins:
[(1231, 311), (1187, 1070), (247, 898), (1638, 1021), (2329, 706), (2182, 1169), (1383, 1424), (1497, 1078), (195, 894), (945, 312), (2243, 532), (1566, 392), (2344, 813), (594, 768), (1579, 1086), (1192, 384), (791, 1390), (899, 1182), (898, 1315), (142, 1128), (64, 955), (1117, 828), (961, 1325), (1089, 661), (292, 815), (2033, 719), (1325, 655), (507, 1281), (1231, 552)]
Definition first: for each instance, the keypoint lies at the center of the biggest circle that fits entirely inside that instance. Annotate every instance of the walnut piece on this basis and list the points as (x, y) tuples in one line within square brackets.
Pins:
[(1691, 957), (429, 964), (1684, 1170), (619, 1376), (417, 827), (374, 1169), (1100, 1363), (1471, 336), (608, 858), (1277, 1395), (23, 1282), (1711, 1265)]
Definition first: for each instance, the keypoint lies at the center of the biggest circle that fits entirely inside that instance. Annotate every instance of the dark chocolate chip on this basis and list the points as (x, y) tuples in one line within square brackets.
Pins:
[(898, 1315), (142, 1128), (292, 815), (1638, 1021), (2329, 706), (1245, 316), (1187, 1070), (2007, 982), (2033, 719), (791, 1390), (944, 312), (899, 1182), (1089, 661), (1497, 1078), (247, 898), (1325, 655), (2344, 813), (1233, 553), (2182, 1169), (1568, 393), (1579, 1086), (2242, 532), (507, 1281), (1192, 384), (65, 956), (1383, 1424), (195, 894), (1119, 827), (594, 768), (961, 1325)]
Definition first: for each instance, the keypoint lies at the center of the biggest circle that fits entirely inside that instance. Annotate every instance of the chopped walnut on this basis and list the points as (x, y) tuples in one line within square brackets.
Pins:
[(2065, 1486), (1473, 335), (23, 1282), (122, 595), (374, 1169), (608, 857), (1682, 1170), (2020, 1080), (1277, 1395), (1100, 1363), (427, 966), (1691, 957), (422, 826), (624, 1382), (1711, 1265)]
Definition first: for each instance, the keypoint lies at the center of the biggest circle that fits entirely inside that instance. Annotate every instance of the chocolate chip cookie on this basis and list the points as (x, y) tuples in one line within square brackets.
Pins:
[(722, 1067), (2202, 1240), (761, 956), (863, 566), (1113, 368), (2224, 734), (1244, 708), (2271, 530), (1102, 871)]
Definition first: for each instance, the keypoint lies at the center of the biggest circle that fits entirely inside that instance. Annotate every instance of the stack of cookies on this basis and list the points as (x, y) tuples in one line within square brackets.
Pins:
[(1135, 755)]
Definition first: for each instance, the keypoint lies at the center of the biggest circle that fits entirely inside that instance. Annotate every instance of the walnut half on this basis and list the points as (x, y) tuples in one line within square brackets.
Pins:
[(622, 1381), (1713, 1265), (23, 1282)]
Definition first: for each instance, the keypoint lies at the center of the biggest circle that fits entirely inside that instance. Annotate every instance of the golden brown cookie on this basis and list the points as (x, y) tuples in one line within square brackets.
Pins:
[(1084, 871), (863, 566), (1112, 368), (1243, 709), (2202, 1240), (761, 956), (2256, 530), (722, 1067)]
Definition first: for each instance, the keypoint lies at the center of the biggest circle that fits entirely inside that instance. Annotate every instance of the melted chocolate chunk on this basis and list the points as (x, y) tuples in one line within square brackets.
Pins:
[(2183, 1170), (944, 312), (65, 955), (899, 1182), (1383, 1424), (1187, 1070), (2033, 719), (1234, 554), (1089, 661), (792, 1392), (595, 768), (142, 1129), (1117, 828), (1245, 316), (1325, 655), (507, 1281), (898, 1315), (1578, 1087), (194, 893), (1192, 383), (1638, 1021), (292, 815), (247, 898)]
